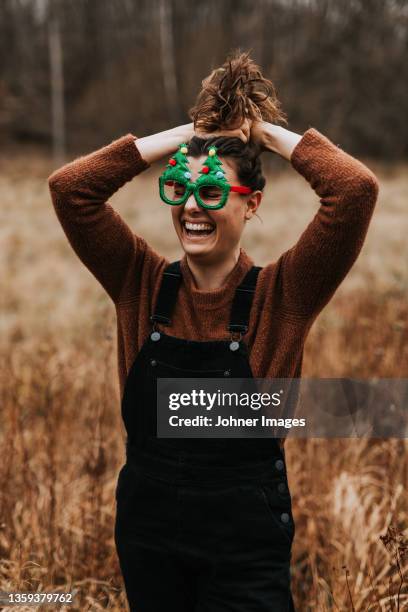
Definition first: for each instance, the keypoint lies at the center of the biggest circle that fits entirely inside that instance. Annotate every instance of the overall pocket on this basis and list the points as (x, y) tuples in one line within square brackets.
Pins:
[(163, 370), (279, 509)]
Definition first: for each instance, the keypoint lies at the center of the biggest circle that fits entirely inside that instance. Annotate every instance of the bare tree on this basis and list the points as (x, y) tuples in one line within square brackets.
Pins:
[(168, 65), (57, 88)]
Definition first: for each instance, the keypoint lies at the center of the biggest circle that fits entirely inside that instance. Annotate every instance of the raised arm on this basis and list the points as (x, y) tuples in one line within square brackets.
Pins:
[(154, 147), (314, 267), (80, 192)]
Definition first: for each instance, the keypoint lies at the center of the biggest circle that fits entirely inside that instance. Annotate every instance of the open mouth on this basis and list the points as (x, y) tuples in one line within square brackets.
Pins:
[(197, 230)]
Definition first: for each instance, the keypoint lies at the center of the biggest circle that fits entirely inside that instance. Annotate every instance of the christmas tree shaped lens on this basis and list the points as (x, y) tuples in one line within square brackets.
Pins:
[(175, 180), (212, 186)]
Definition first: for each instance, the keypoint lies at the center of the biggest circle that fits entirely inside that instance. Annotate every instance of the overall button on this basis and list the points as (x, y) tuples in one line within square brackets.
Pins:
[(153, 362), (279, 465), (155, 336), (282, 488), (234, 345), (227, 373), (285, 517)]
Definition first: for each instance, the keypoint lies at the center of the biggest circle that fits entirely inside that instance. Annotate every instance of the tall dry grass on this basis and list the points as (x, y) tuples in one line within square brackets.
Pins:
[(61, 438)]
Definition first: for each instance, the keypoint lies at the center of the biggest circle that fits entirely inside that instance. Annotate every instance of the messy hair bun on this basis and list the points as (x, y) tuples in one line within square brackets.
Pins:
[(234, 92)]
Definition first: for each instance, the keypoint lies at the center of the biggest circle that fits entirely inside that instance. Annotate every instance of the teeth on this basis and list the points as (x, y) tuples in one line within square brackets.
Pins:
[(198, 226)]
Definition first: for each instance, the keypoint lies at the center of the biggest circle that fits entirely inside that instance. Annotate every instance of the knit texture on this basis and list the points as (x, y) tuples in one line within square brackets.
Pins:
[(291, 291)]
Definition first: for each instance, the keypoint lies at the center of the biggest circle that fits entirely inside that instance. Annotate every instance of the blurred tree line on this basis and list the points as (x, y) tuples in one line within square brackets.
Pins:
[(75, 74)]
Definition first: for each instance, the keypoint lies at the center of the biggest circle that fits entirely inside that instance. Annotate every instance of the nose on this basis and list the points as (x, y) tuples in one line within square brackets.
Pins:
[(191, 204)]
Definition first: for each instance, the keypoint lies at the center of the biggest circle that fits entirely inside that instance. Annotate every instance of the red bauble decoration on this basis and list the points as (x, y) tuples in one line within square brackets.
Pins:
[(172, 162), (205, 169)]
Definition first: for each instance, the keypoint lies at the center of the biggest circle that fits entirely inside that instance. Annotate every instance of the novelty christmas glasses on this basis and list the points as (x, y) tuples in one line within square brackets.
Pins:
[(210, 190)]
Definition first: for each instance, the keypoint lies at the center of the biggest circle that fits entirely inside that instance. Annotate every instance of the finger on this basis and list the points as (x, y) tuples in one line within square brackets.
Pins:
[(247, 125), (246, 132), (237, 133)]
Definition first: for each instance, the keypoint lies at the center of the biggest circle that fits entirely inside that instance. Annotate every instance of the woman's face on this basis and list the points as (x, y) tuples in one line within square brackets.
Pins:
[(213, 235)]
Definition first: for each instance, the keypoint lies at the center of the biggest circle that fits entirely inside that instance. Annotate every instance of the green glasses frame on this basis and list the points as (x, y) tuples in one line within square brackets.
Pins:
[(211, 175), (194, 188)]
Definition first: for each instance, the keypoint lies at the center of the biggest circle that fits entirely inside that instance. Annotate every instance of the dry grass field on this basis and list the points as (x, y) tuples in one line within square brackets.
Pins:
[(61, 438)]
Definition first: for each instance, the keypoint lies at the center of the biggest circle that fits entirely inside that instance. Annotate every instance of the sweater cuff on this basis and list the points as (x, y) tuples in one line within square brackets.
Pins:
[(310, 140), (126, 149)]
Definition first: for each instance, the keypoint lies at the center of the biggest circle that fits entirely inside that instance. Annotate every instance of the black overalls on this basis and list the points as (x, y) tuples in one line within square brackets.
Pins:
[(202, 525)]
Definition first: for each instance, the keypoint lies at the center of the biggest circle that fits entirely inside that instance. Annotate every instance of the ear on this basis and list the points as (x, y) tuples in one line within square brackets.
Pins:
[(252, 204)]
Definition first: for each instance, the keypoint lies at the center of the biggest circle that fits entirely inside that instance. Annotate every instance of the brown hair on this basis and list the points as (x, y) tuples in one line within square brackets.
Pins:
[(245, 156), (235, 91)]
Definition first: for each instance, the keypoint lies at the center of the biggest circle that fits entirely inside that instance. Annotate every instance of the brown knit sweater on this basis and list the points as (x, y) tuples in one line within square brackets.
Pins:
[(290, 292)]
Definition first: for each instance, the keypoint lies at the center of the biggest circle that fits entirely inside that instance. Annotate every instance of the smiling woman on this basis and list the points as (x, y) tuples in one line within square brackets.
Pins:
[(213, 314), (207, 228)]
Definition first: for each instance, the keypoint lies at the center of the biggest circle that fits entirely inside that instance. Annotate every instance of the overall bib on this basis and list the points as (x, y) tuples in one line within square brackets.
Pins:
[(202, 525)]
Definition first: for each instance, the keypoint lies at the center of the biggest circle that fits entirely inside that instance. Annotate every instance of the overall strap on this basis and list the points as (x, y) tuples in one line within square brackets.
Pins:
[(167, 294), (241, 305)]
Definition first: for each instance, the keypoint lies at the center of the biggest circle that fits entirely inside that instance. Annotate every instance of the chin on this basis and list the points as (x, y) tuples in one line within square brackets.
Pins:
[(197, 251)]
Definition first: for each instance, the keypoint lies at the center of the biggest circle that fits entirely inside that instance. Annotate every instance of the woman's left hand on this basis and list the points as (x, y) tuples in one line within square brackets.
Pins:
[(274, 138), (261, 133)]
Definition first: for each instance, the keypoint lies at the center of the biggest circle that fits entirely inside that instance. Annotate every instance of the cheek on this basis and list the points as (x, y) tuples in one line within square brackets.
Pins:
[(231, 222), (175, 214)]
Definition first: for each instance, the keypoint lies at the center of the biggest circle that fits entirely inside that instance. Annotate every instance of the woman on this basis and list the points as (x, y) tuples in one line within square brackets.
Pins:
[(206, 525)]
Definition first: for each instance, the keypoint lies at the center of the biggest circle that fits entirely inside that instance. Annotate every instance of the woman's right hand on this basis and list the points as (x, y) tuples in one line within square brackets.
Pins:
[(157, 146), (243, 132)]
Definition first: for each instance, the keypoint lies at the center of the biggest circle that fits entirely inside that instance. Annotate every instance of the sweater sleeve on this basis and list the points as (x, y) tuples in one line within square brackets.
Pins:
[(314, 267), (96, 232)]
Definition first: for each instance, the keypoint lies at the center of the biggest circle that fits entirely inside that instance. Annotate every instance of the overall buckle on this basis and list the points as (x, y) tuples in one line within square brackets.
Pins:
[(235, 337)]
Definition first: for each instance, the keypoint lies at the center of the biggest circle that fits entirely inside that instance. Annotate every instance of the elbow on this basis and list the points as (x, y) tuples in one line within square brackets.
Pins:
[(54, 183), (368, 187), (59, 182)]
